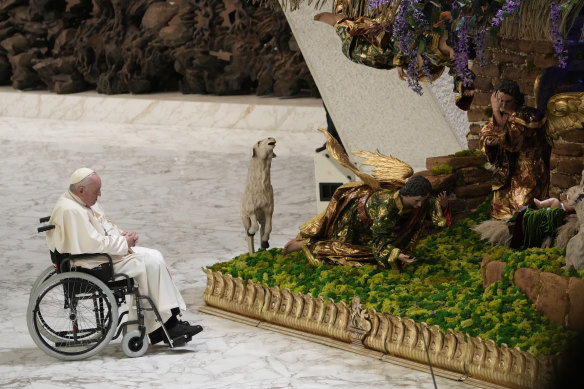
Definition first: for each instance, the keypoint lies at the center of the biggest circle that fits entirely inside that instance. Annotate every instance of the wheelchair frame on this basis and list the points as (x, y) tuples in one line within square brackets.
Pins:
[(88, 300)]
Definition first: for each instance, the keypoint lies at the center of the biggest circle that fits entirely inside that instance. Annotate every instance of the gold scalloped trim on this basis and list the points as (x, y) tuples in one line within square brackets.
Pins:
[(389, 334), (294, 310)]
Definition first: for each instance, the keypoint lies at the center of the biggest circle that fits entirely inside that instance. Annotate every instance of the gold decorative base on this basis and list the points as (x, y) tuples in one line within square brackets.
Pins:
[(379, 335)]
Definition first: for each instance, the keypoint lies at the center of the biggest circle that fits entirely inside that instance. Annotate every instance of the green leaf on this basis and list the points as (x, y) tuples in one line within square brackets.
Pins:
[(566, 7), (411, 21), (421, 46), (454, 13)]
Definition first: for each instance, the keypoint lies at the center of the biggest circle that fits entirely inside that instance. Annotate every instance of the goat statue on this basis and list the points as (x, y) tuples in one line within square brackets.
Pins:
[(257, 201)]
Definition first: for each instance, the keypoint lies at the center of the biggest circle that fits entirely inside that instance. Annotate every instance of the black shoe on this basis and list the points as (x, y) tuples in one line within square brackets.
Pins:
[(196, 326)]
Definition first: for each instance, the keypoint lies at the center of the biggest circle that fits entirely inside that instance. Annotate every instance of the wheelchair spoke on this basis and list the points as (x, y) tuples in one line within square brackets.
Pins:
[(73, 315)]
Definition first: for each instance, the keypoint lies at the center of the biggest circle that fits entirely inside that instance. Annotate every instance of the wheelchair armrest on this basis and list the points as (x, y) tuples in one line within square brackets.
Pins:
[(45, 228), (127, 278), (81, 256)]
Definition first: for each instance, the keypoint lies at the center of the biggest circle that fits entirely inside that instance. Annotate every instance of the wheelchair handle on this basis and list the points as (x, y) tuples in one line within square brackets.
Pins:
[(44, 219), (45, 228)]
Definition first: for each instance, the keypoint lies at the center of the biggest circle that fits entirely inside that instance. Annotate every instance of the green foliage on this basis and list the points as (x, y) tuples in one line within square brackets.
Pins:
[(441, 169), (469, 153), (443, 287), (568, 5)]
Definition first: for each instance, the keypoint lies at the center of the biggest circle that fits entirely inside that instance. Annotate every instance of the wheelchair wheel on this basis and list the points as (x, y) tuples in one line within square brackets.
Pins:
[(134, 345), (45, 275), (72, 316)]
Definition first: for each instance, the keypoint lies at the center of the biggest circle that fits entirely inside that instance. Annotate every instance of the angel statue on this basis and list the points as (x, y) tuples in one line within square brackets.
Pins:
[(371, 41), (377, 220)]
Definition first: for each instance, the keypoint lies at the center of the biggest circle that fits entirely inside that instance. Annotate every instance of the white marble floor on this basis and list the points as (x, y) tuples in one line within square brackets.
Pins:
[(179, 186)]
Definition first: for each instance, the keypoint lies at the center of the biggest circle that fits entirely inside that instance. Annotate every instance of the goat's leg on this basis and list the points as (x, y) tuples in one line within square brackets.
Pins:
[(247, 224), (266, 230), (254, 224), (250, 247)]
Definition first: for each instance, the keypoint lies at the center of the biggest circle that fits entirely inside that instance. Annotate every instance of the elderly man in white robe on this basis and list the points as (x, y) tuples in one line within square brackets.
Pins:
[(81, 227)]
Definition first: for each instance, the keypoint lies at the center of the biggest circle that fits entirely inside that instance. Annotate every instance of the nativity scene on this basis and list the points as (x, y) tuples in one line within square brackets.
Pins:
[(471, 268), (391, 266)]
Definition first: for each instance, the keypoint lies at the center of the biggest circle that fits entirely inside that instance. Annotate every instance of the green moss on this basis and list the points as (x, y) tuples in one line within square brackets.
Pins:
[(443, 287), (469, 153), (441, 169)]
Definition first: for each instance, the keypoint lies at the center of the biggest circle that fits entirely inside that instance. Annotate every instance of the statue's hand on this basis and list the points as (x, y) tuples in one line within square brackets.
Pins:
[(495, 104), (406, 258), (401, 73), (442, 199)]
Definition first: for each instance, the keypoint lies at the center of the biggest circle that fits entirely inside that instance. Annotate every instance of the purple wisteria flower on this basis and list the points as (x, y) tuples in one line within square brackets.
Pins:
[(479, 39), (510, 7), (412, 71), (377, 3), (461, 54), (557, 40), (409, 18)]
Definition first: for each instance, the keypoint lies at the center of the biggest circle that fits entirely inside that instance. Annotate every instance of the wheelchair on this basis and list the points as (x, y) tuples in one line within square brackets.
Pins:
[(73, 312)]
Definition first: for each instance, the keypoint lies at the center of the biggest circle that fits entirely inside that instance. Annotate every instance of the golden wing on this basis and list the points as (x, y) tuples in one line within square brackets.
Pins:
[(338, 153), (565, 112), (388, 170)]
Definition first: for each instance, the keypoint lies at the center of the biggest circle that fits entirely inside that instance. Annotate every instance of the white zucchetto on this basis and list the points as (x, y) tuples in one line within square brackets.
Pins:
[(79, 174)]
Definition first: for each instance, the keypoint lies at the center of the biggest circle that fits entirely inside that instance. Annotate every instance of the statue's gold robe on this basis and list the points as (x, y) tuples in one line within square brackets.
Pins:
[(520, 156), (361, 225)]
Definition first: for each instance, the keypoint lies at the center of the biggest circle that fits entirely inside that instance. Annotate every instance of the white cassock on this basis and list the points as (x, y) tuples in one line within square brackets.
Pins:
[(81, 230)]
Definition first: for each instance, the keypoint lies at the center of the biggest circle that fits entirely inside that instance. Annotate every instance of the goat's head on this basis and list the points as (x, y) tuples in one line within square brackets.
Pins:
[(264, 149)]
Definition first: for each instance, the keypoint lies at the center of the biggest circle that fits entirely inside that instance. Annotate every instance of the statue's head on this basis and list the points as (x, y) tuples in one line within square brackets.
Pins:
[(416, 186), (264, 149), (416, 190), (511, 88)]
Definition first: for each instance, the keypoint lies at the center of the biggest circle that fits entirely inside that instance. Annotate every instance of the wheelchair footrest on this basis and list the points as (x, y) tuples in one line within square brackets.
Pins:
[(181, 340)]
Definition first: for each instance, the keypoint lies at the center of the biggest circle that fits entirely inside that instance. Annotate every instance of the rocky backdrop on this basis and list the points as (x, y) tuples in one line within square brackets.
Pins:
[(143, 46)]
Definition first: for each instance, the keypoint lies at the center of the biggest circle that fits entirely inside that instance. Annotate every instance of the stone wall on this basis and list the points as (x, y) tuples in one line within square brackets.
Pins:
[(567, 161), (469, 184), (521, 61)]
